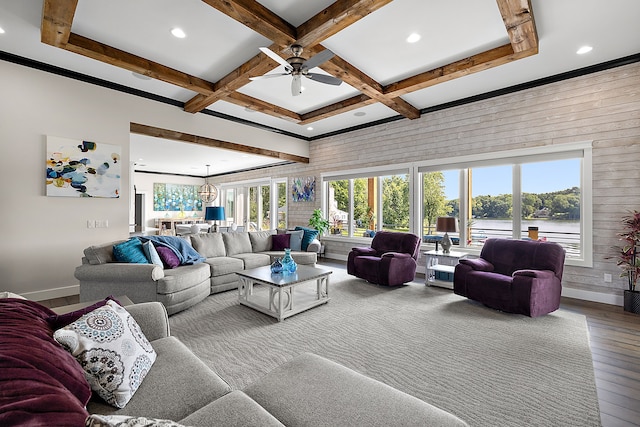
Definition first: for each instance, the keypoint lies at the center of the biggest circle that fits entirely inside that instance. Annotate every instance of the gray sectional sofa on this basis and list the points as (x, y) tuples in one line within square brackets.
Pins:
[(309, 390), (181, 287)]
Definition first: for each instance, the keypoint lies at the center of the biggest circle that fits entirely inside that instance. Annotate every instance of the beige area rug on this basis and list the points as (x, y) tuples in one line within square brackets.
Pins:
[(487, 367)]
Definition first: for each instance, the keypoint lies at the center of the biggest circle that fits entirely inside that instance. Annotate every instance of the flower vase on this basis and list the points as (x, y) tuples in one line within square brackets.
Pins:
[(288, 264), (276, 267)]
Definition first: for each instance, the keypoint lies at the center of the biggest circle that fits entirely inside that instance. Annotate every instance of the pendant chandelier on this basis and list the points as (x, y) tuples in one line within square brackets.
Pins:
[(208, 192)]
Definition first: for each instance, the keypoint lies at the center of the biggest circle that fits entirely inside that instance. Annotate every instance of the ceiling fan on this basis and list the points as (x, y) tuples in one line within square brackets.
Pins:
[(296, 66)]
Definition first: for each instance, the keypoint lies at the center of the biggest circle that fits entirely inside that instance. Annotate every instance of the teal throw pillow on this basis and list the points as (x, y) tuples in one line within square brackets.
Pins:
[(295, 243), (130, 251), (308, 236), (151, 253)]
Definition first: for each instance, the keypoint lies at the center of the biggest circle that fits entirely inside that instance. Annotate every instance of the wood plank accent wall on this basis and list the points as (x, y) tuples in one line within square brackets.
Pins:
[(603, 107)]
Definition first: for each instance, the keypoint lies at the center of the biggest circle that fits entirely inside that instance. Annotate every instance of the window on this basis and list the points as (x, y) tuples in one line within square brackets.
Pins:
[(498, 194), (503, 197), (395, 203), (491, 203), (281, 188), (551, 202), (338, 196)]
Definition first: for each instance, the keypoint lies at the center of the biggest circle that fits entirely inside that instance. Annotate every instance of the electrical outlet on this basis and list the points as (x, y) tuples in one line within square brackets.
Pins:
[(102, 223), (607, 277), (91, 223)]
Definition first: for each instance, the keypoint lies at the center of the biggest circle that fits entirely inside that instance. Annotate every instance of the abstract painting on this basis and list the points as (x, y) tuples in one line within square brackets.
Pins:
[(303, 189), (76, 168), (176, 197)]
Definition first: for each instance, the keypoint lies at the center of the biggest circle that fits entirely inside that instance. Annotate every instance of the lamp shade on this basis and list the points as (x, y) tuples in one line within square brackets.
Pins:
[(446, 224), (214, 213)]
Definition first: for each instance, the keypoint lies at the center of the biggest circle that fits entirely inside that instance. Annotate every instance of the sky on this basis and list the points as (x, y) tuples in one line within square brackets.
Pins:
[(542, 177)]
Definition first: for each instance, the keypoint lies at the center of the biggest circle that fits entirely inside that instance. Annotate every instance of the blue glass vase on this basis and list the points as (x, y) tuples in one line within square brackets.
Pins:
[(276, 267), (288, 264)]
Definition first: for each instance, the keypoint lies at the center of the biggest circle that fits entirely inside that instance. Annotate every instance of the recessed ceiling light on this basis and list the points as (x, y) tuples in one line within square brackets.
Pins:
[(177, 32), (1, 30), (310, 128), (584, 49), (413, 37), (360, 114)]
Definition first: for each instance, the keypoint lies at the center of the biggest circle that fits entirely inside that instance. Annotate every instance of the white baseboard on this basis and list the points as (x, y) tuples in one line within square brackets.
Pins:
[(592, 296), (67, 291)]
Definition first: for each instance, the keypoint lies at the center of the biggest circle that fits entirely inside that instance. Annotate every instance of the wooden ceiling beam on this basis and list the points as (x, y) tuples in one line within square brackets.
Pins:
[(334, 19), (110, 55), (211, 142), (520, 24), (344, 106), (256, 66), (261, 106), (57, 17), (473, 64), (254, 15)]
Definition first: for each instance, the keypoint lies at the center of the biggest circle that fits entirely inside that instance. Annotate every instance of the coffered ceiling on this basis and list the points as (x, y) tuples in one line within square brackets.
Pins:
[(466, 48)]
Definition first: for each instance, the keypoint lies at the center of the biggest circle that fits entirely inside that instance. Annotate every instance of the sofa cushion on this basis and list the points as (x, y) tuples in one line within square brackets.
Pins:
[(302, 258), (309, 235), (237, 243), (40, 383), (183, 277), (296, 240), (168, 257), (221, 266), (261, 240), (178, 384), (280, 242), (209, 245), (151, 253), (235, 409), (252, 260), (313, 391), (130, 251), (112, 350), (101, 254)]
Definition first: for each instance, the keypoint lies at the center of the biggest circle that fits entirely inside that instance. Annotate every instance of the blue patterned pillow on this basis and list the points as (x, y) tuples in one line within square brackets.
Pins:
[(112, 350), (130, 251), (309, 235)]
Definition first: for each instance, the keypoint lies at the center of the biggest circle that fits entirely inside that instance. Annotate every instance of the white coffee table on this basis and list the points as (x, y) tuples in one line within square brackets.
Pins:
[(277, 298)]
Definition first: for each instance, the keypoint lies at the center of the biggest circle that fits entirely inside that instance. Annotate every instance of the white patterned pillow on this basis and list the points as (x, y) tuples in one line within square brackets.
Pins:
[(112, 350), (127, 421)]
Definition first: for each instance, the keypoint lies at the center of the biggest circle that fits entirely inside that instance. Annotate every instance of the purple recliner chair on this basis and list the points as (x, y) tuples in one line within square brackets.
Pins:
[(391, 259), (515, 276)]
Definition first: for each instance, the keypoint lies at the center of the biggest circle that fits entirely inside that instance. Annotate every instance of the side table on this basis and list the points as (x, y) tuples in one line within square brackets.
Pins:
[(439, 268)]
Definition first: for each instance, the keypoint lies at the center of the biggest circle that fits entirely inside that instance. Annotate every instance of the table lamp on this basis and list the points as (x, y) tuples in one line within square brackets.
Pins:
[(214, 213), (446, 224)]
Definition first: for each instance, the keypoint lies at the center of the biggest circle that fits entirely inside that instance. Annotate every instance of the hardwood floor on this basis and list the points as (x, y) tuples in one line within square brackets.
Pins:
[(615, 347)]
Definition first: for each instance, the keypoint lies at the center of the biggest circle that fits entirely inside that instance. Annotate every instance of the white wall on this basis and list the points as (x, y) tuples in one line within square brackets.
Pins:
[(43, 237)]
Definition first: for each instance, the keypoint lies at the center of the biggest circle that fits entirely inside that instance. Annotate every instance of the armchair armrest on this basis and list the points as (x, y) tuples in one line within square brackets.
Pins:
[(396, 255), (536, 274), (364, 251), (314, 246), (478, 264), (152, 319), (119, 272)]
